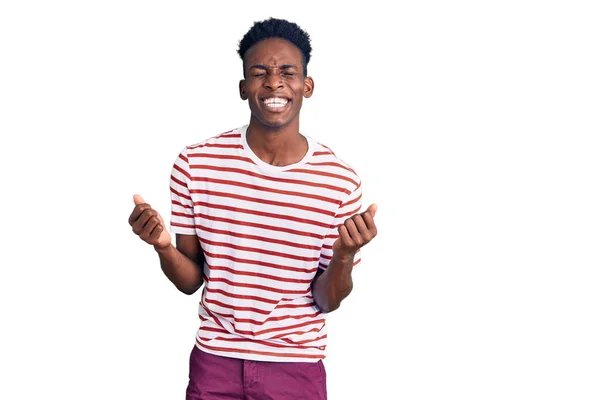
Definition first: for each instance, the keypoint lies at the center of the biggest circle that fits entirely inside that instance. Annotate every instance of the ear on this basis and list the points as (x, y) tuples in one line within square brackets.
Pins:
[(243, 94), (309, 86)]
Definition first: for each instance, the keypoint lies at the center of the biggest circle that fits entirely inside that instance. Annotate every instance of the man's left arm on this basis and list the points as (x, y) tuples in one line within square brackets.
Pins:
[(334, 284)]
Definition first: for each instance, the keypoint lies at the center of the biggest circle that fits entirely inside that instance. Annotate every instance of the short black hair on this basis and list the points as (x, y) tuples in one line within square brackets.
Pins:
[(277, 28)]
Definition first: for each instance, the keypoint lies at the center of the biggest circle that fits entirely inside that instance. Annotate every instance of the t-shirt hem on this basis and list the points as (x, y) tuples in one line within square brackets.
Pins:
[(258, 357)]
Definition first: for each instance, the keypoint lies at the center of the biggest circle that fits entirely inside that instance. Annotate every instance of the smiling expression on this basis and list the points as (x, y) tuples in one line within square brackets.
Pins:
[(274, 83)]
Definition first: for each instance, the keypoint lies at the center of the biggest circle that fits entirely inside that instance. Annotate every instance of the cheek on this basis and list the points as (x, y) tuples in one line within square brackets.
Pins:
[(252, 86), (298, 90)]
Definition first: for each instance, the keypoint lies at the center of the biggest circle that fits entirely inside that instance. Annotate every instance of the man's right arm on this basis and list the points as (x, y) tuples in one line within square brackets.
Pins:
[(181, 264)]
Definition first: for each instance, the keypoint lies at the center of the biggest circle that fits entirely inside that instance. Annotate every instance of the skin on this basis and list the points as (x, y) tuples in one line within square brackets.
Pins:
[(181, 263), (273, 68)]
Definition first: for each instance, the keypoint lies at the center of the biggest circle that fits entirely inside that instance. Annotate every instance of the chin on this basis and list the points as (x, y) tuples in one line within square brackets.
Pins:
[(274, 124)]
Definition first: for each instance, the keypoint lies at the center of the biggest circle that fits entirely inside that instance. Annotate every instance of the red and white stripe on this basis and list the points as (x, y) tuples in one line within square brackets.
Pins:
[(264, 231)]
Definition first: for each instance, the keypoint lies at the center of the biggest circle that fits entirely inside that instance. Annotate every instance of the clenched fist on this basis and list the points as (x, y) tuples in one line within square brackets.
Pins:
[(148, 224), (355, 232)]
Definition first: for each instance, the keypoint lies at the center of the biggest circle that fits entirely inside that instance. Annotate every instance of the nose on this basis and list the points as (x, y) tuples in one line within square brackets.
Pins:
[(273, 81)]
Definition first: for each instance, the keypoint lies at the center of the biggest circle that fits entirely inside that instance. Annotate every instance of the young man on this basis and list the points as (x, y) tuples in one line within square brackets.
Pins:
[(268, 220)]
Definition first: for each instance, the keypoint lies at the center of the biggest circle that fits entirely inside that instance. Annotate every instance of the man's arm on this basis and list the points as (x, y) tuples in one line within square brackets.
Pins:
[(333, 285), (181, 264)]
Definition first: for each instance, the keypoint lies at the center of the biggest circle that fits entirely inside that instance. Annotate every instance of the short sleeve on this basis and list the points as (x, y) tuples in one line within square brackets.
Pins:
[(349, 205), (182, 206)]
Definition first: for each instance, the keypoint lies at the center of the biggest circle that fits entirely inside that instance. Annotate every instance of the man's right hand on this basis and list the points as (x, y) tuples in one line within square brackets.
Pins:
[(148, 224)]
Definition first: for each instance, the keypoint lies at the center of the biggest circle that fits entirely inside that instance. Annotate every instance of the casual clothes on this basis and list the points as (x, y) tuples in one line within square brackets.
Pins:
[(217, 378), (264, 231)]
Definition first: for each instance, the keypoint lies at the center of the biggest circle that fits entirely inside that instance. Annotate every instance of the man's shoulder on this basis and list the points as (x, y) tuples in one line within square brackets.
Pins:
[(323, 157), (228, 139)]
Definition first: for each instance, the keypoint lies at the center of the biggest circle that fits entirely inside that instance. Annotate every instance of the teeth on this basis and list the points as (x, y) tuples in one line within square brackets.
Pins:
[(275, 102)]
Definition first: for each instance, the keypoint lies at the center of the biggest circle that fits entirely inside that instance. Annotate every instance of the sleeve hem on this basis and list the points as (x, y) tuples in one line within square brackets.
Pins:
[(183, 231)]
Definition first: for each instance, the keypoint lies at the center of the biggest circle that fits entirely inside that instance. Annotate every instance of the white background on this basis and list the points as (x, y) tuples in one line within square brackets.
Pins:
[(474, 125)]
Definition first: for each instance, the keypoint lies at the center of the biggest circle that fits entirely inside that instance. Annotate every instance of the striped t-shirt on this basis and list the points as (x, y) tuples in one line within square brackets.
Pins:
[(264, 232)]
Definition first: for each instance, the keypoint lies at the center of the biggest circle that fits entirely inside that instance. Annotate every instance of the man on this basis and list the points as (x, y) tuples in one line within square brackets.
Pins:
[(268, 220)]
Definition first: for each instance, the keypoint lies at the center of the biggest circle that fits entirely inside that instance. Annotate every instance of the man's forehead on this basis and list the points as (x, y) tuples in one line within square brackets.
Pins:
[(273, 51)]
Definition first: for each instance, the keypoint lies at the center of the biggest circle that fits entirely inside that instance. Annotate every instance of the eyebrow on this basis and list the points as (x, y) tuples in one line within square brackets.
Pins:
[(263, 67)]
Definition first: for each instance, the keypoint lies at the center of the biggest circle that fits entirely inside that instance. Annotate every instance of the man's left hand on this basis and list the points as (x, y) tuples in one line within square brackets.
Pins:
[(355, 232)]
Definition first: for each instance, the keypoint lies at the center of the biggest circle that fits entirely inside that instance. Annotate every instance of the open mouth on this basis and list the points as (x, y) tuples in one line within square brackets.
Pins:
[(275, 103)]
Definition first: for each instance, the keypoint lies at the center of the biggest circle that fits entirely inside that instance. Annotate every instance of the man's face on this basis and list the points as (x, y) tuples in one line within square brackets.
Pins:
[(275, 82)]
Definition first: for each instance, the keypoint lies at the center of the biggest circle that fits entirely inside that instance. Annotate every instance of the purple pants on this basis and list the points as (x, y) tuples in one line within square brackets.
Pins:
[(215, 377)]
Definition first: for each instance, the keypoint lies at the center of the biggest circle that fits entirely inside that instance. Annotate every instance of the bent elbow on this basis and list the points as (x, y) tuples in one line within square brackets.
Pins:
[(188, 290)]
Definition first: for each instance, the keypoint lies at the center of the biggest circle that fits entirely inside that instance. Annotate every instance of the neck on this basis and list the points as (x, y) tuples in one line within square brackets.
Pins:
[(277, 146)]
